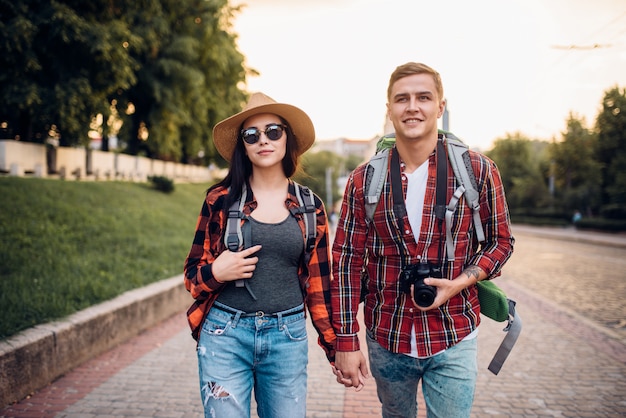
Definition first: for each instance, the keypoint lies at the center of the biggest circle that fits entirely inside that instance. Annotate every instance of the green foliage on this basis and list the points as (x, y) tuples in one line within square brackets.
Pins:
[(69, 245), (315, 167), (520, 162), (583, 171), (189, 79), (611, 146), (352, 162), (60, 61), (575, 170), (168, 69), (614, 211), (162, 183), (602, 224)]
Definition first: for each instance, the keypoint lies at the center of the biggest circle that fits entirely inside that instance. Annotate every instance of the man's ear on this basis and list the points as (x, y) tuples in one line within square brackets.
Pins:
[(442, 107)]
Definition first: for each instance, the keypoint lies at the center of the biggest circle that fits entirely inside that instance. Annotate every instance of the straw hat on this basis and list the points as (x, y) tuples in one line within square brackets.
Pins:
[(226, 132)]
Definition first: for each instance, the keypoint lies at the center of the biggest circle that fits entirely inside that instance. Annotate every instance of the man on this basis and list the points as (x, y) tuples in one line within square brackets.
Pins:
[(408, 342)]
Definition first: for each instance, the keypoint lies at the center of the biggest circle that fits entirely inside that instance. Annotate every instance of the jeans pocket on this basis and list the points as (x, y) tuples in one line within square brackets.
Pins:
[(216, 326), (296, 331)]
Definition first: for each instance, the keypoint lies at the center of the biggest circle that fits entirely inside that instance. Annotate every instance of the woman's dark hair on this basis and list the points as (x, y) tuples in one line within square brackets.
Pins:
[(240, 168)]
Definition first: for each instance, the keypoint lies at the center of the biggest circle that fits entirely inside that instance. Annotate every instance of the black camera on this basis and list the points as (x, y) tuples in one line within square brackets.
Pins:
[(414, 274)]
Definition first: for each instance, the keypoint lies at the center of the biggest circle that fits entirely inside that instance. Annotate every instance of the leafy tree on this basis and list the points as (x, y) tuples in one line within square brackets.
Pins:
[(351, 162), (189, 79), (167, 69), (314, 171), (576, 172), (611, 151), (521, 172), (60, 61)]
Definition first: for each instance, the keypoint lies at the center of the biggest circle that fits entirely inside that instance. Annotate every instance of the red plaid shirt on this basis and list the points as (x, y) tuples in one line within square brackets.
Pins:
[(388, 312), (208, 244)]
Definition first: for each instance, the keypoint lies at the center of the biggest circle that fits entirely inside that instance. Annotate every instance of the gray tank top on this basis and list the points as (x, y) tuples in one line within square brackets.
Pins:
[(275, 281)]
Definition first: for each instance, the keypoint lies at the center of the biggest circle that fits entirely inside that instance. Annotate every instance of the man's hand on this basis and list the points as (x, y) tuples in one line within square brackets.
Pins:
[(446, 289), (351, 369)]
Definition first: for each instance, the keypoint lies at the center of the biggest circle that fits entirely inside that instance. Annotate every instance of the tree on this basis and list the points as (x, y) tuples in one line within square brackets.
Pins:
[(521, 172), (351, 162), (60, 61), (577, 174), (167, 69), (314, 171), (611, 151), (189, 79)]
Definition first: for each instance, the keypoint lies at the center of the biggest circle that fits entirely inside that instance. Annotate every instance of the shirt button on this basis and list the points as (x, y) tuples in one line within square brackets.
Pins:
[(407, 232)]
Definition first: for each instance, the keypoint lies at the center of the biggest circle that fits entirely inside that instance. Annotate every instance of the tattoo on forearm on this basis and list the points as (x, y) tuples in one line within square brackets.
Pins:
[(473, 271)]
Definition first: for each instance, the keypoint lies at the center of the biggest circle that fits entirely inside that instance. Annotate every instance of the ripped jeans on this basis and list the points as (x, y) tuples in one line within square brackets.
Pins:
[(266, 353)]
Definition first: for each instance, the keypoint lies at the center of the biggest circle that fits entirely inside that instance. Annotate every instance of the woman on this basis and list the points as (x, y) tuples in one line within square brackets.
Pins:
[(248, 315)]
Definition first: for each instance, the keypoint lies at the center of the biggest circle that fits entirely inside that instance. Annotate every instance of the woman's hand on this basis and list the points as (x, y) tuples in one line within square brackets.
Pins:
[(230, 266)]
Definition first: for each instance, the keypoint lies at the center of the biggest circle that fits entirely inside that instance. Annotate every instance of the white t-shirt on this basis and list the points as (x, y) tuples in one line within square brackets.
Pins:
[(415, 194)]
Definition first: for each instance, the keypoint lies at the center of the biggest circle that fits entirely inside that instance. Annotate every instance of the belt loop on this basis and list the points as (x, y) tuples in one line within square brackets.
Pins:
[(279, 317), (236, 319)]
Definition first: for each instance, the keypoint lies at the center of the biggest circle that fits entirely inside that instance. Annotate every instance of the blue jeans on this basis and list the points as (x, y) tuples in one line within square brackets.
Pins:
[(267, 353), (448, 380)]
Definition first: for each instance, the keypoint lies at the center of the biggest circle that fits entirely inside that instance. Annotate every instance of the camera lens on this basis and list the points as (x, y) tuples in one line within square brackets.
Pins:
[(424, 295)]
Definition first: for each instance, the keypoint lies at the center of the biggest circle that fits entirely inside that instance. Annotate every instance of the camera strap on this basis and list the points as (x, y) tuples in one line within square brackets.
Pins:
[(440, 196), (399, 206)]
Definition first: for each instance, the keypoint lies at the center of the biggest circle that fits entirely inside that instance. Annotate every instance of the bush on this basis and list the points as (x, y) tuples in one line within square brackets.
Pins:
[(613, 211), (539, 220), (162, 183), (604, 225)]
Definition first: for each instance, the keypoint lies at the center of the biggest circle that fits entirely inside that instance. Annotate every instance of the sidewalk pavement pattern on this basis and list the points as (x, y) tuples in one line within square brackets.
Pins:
[(563, 365)]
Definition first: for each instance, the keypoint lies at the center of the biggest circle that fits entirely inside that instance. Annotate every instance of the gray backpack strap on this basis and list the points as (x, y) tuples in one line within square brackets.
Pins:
[(513, 330), (234, 237), (461, 164), (375, 174), (454, 200)]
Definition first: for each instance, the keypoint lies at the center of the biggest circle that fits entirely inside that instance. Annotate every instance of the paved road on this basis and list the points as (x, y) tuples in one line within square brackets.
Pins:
[(570, 360)]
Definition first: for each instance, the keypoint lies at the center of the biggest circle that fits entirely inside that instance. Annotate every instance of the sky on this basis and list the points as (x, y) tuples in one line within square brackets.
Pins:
[(507, 66)]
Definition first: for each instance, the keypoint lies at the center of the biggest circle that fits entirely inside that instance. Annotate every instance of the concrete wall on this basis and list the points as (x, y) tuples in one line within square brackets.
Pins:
[(101, 164), (71, 162), (35, 357), (20, 158)]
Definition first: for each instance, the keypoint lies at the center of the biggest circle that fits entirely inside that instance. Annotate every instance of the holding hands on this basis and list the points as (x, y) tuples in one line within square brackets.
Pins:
[(350, 369)]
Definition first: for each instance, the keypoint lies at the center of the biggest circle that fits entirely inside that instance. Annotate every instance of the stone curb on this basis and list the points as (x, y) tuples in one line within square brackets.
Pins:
[(37, 356)]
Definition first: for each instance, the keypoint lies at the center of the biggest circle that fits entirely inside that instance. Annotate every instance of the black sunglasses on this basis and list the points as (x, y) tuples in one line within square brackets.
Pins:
[(272, 131)]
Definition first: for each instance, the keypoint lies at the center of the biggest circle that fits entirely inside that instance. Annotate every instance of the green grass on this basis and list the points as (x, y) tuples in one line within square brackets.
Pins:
[(65, 246)]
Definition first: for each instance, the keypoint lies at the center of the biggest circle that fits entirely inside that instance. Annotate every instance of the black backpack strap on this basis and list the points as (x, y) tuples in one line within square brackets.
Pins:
[(307, 208), (442, 183), (399, 207)]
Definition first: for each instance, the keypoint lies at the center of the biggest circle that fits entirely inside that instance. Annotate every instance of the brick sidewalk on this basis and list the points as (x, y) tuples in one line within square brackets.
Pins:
[(553, 370)]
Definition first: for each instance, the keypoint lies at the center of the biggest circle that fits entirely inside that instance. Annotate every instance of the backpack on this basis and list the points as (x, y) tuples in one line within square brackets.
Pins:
[(376, 174), (237, 238), (493, 301)]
